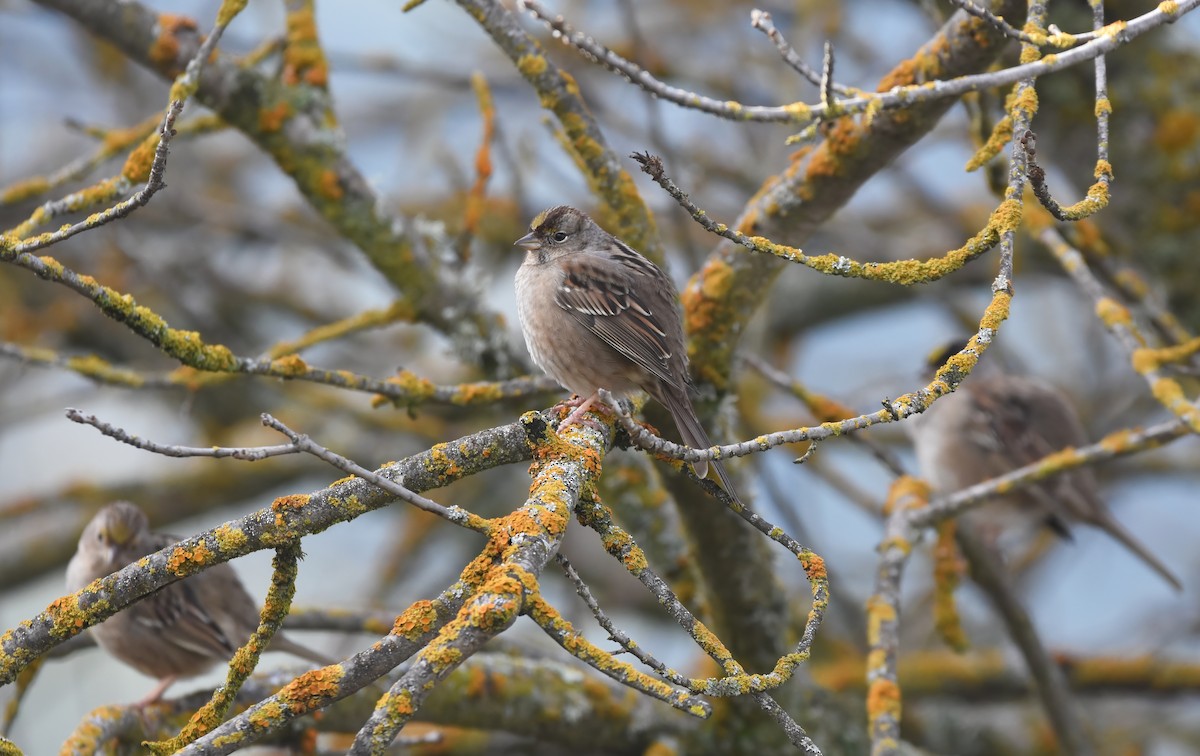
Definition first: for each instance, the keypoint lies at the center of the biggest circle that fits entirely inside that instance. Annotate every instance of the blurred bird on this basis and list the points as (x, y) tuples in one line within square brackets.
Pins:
[(598, 315), (995, 423), (180, 630)]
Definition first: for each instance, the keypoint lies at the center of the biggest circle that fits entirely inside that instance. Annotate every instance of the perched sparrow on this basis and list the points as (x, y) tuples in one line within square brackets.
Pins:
[(598, 315), (180, 630), (995, 423)]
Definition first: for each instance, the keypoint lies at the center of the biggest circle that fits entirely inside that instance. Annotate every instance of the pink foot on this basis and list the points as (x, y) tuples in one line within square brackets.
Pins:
[(573, 402), (157, 694), (577, 416)]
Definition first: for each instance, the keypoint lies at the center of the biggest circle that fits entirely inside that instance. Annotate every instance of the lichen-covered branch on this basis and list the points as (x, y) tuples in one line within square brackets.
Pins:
[(192, 351), (1003, 219), (1119, 321), (504, 577), (561, 96), (290, 119), (287, 519), (413, 630), (945, 86), (242, 665)]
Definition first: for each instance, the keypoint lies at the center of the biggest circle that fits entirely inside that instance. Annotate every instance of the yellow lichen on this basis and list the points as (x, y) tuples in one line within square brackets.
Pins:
[(531, 65), (289, 365), (302, 57)]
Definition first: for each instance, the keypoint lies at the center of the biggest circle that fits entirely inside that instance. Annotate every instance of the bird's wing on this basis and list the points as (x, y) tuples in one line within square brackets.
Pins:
[(1030, 420), (175, 611), (599, 292)]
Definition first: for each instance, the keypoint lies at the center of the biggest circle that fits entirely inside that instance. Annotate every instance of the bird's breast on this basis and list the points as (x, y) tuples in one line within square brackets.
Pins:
[(560, 344)]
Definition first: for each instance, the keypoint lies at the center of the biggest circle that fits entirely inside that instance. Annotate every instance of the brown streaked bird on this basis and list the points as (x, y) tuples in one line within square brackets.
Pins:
[(182, 629), (598, 315), (995, 423)]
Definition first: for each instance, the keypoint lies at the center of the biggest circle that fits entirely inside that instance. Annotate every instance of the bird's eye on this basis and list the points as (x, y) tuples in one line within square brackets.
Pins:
[(559, 237)]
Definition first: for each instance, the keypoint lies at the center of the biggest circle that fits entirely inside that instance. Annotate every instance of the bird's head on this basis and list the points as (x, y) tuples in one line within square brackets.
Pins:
[(558, 227), (114, 528)]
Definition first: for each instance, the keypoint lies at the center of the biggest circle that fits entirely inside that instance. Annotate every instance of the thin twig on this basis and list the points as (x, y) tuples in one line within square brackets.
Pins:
[(454, 514), (904, 406), (790, 385), (1006, 28), (761, 20), (736, 681), (1117, 444), (901, 272), (898, 97), (300, 443), (827, 99), (153, 184), (246, 453), (617, 635)]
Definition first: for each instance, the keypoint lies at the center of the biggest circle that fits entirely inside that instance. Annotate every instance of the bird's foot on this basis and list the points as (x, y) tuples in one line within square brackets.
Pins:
[(156, 695), (581, 408)]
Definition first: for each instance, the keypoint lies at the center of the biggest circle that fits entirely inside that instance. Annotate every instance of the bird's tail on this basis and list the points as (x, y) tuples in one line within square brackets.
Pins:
[(1115, 529), (693, 434)]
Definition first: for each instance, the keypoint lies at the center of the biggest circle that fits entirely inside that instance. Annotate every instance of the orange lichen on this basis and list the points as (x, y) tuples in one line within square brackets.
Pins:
[(400, 704), (67, 615), (1111, 312), (477, 393), (184, 561), (330, 185), (284, 503), (948, 569), (292, 501), (908, 492), (477, 682), (879, 613), (229, 538), (814, 565), (531, 65), (416, 620), (272, 119), (164, 52), (445, 463), (883, 699), (1177, 131), (312, 689), (303, 59), (23, 190)]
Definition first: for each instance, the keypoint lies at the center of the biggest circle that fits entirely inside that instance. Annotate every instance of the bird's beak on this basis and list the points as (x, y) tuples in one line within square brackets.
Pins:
[(528, 241)]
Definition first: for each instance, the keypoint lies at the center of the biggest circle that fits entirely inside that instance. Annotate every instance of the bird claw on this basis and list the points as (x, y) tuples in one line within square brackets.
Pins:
[(582, 406)]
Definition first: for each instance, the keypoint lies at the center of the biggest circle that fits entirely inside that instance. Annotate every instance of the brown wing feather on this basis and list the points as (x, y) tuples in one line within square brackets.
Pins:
[(1035, 418), (1029, 420), (599, 293), (1023, 420), (176, 613)]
